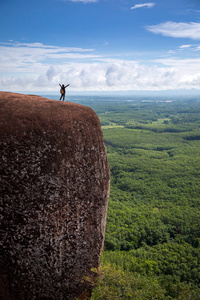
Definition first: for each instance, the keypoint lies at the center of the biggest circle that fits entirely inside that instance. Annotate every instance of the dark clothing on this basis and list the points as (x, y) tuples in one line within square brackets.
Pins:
[(63, 91)]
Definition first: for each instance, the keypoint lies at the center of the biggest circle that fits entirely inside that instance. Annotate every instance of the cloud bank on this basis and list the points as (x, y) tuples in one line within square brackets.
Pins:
[(177, 30), (148, 5), (37, 67)]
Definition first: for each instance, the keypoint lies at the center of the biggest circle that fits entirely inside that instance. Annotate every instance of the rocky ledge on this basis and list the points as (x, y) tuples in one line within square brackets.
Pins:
[(54, 196)]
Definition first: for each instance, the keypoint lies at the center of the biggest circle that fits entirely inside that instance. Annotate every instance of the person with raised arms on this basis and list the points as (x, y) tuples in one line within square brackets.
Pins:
[(62, 91)]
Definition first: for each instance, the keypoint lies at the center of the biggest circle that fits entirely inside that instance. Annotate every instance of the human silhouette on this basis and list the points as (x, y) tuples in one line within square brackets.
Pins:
[(62, 91)]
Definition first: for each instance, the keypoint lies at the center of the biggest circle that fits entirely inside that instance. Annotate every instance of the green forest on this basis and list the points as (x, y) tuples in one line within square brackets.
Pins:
[(152, 243)]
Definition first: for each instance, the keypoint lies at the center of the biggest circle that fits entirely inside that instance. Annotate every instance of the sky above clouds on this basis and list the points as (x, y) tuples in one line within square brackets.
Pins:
[(99, 45)]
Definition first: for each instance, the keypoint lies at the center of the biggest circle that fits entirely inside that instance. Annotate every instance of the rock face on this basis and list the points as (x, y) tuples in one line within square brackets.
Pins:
[(54, 193)]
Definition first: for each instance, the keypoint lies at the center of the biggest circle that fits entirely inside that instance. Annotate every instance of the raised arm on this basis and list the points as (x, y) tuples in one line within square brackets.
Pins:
[(67, 85)]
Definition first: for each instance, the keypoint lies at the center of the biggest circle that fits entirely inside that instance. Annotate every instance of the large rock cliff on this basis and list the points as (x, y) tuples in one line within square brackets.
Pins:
[(54, 196)]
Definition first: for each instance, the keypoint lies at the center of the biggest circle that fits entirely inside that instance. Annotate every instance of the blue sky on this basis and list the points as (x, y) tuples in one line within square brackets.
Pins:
[(99, 45)]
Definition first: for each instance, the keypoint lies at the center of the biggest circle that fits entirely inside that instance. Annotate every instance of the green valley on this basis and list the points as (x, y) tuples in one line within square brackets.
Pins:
[(152, 244)]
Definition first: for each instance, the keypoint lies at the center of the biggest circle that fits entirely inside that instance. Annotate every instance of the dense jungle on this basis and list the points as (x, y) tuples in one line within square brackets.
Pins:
[(152, 244)]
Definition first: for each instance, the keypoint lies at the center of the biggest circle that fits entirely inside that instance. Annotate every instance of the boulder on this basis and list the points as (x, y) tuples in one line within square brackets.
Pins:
[(54, 197)]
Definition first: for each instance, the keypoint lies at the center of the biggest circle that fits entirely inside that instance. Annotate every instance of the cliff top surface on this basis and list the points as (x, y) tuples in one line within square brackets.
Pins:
[(20, 111)]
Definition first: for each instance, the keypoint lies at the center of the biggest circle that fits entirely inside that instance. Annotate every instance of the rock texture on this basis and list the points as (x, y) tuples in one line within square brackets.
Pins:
[(54, 194)]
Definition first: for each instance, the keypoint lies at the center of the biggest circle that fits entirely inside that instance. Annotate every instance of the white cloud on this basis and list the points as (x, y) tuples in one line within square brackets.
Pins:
[(177, 30), (148, 5), (189, 48), (36, 67), (185, 46), (187, 69), (17, 57), (42, 46)]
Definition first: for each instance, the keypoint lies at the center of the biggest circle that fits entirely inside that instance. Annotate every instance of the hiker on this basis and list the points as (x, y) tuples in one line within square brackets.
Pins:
[(62, 91)]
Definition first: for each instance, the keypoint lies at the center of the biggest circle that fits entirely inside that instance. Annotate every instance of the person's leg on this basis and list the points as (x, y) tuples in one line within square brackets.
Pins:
[(63, 97)]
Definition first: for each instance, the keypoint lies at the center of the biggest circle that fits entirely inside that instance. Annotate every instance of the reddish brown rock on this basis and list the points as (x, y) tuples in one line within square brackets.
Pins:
[(54, 193)]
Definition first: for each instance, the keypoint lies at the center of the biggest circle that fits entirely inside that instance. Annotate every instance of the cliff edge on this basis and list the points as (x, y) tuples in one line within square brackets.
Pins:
[(54, 196)]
